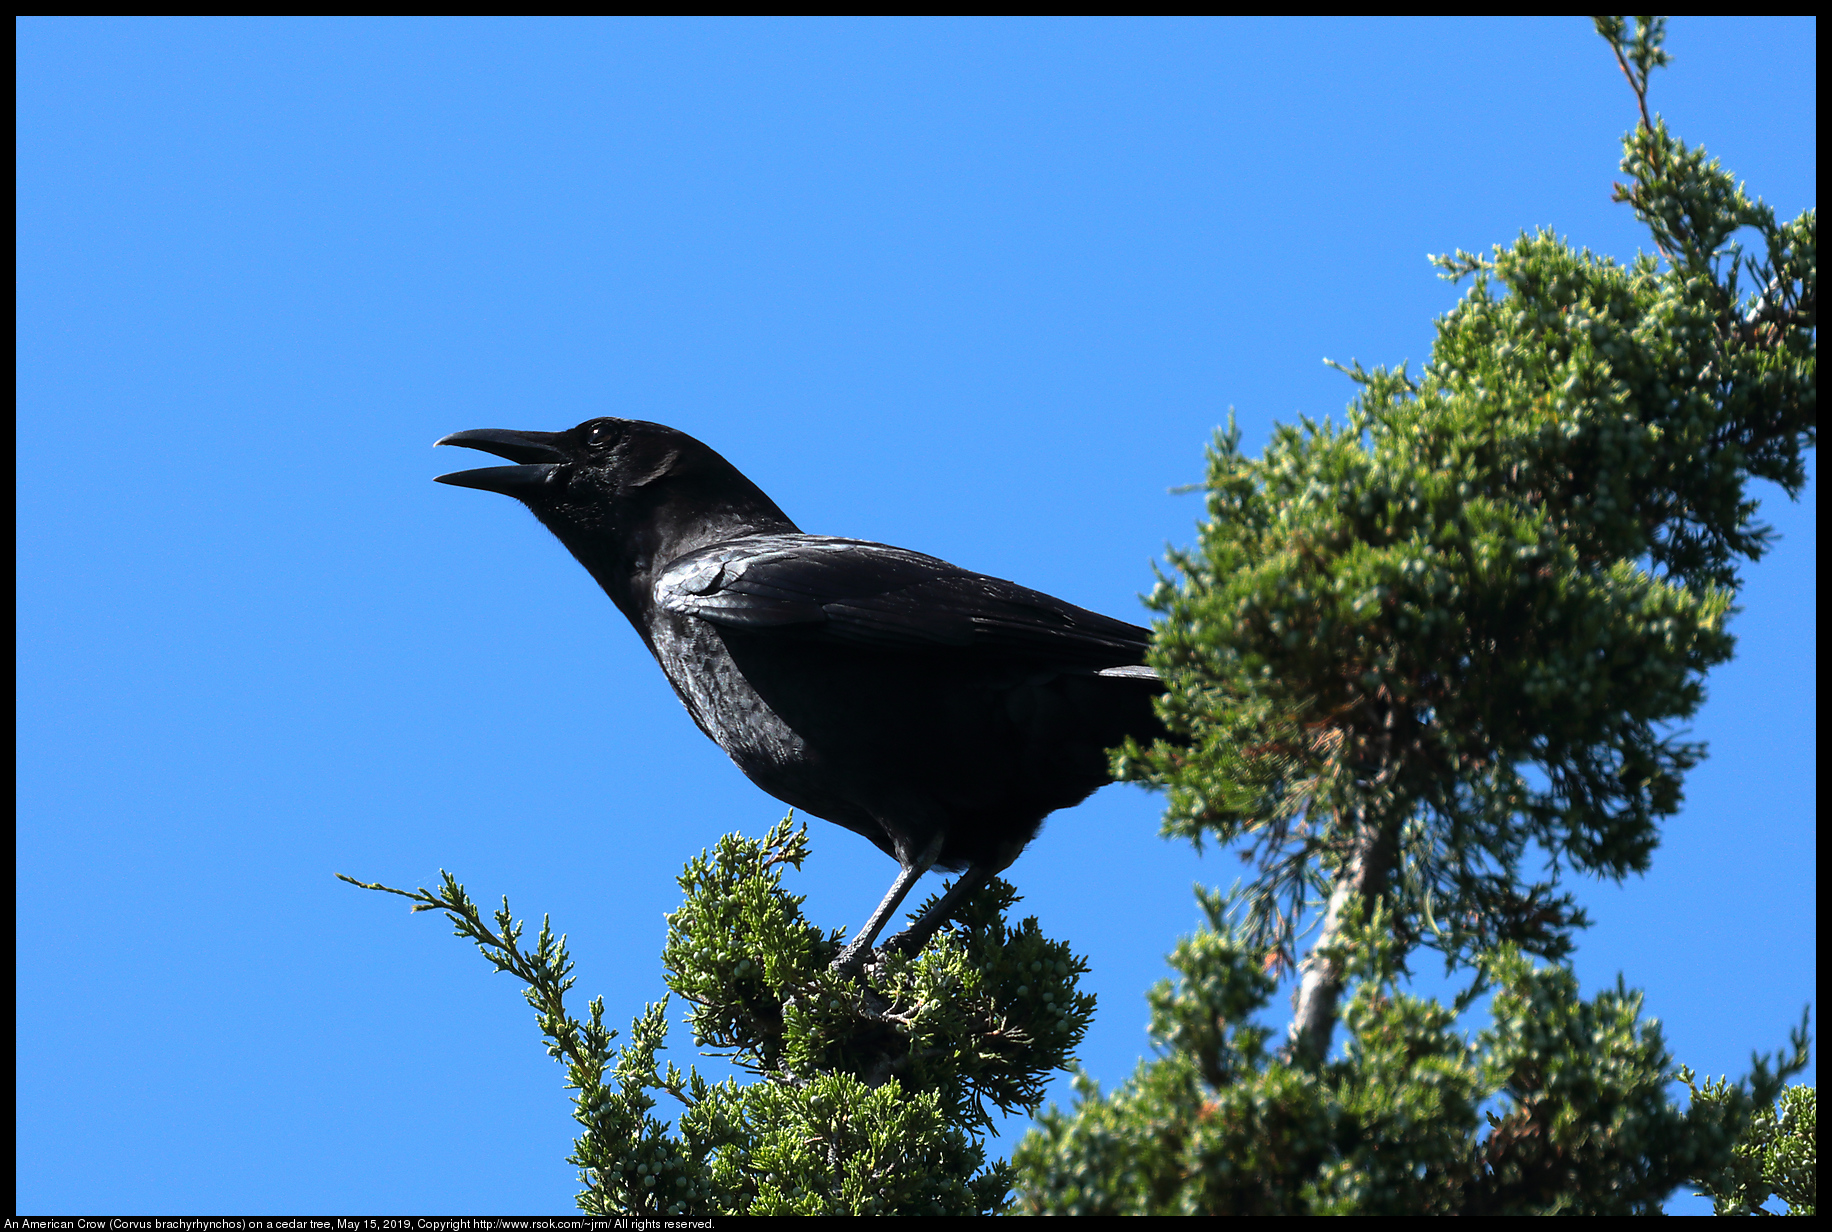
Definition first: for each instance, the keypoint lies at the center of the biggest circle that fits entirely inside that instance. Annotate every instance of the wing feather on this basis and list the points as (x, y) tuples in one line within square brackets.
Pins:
[(870, 594)]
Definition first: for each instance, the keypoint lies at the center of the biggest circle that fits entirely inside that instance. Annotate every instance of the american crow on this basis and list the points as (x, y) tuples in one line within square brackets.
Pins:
[(942, 714)]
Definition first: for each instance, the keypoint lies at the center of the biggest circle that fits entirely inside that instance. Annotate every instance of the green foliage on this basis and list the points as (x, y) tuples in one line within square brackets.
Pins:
[(872, 1095), (980, 1019), (1778, 1155), (1561, 1106), (1425, 664), (1467, 621)]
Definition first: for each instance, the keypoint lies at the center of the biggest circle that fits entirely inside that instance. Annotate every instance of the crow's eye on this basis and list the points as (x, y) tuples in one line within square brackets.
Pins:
[(601, 434)]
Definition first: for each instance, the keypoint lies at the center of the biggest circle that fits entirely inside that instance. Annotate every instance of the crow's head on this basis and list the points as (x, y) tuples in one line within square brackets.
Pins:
[(621, 494), (596, 461)]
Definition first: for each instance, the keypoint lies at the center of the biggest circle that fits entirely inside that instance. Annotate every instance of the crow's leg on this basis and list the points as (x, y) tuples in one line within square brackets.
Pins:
[(913, 938), (853, 956)]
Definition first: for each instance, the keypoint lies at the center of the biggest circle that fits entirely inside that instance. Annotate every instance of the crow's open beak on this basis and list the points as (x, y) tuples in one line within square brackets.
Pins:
[(537, 452)]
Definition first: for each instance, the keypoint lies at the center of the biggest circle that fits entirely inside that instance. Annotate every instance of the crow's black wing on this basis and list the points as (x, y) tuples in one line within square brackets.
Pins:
[(868, 594)]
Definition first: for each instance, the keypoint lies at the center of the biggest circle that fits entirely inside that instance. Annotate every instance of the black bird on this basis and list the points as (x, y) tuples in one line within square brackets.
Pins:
[(942, 714)]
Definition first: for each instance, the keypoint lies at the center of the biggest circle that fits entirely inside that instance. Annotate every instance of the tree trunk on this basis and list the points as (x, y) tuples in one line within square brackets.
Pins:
[(1363, 878)]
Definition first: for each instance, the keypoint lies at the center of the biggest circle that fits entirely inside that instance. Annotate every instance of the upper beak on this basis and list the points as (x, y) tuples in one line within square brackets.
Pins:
[(538, 452)]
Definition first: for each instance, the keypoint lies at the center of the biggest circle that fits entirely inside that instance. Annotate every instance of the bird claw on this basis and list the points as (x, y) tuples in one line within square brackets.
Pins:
[(850, 961)]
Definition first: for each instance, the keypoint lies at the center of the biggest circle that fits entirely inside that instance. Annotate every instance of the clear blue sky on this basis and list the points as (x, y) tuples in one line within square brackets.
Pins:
[(978, 288)]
